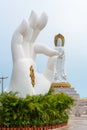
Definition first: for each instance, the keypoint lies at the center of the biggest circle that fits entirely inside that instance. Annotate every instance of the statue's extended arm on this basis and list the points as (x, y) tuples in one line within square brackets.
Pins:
[(43, 49)]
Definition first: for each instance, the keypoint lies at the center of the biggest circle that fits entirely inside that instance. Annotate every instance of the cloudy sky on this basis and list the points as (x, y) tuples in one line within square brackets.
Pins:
[(68, 17)]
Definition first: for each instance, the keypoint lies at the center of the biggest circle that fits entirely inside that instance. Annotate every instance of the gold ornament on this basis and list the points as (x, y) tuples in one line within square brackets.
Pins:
[(32, 75), (61, 85), (57, 37)]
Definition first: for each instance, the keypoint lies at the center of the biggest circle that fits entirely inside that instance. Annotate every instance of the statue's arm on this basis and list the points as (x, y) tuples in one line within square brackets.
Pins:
[(43, 49)]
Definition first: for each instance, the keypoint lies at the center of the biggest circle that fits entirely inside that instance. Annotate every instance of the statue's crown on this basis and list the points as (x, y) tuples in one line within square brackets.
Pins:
[(57, 37)]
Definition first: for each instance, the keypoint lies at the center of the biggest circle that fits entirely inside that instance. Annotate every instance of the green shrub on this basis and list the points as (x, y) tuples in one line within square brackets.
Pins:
[(34, 110)]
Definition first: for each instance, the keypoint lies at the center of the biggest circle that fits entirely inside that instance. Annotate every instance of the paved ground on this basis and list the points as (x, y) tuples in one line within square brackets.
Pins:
[(76, 123)]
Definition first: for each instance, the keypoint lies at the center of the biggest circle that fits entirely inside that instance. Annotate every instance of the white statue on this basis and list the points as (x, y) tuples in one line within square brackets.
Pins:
[(56, 65), (25, 79), (59, 69)]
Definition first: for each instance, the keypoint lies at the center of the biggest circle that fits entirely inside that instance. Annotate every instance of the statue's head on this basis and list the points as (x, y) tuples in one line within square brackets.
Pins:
[(59, 40)]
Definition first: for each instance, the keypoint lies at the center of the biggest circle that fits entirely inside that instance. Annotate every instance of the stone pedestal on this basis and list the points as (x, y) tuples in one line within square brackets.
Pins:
[(70, 91)]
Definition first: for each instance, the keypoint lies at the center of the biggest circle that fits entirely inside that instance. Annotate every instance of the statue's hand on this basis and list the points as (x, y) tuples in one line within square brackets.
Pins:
[(64, 76), (61, 55)]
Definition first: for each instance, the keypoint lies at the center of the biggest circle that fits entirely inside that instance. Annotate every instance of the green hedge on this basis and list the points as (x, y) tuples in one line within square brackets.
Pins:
[(34, 110)]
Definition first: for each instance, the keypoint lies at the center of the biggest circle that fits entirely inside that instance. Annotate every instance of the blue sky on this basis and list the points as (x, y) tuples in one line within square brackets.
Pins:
[(68, 17)]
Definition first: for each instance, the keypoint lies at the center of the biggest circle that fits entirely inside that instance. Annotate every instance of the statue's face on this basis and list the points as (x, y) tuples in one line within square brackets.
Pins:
[(59, 42)]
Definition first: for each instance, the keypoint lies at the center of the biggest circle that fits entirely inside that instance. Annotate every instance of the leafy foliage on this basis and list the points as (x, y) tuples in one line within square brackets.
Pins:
[(34, 110)]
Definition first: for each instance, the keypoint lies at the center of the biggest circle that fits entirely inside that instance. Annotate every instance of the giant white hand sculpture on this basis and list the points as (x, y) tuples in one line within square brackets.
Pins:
[(25, 79)]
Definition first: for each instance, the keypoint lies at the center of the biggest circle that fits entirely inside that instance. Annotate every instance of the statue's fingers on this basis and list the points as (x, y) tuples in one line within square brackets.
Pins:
[(42, 21), (37, 24), (33, 19), (23, 26)]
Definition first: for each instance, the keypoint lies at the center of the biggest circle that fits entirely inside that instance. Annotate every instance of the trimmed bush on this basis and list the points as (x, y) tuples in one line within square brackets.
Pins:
[(37, 110)]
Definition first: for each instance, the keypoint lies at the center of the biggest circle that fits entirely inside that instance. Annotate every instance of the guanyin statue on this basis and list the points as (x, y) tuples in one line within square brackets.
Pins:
[(55, 70), (59, 67)]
